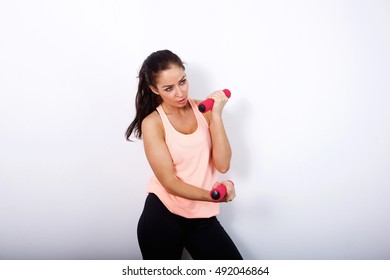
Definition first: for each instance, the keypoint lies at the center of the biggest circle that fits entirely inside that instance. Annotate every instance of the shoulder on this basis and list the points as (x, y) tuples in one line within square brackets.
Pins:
[(152, 125), (205, 115), (153, 117)]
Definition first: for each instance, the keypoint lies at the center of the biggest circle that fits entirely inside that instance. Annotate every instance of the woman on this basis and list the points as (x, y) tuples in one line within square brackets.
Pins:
[(185, 150)]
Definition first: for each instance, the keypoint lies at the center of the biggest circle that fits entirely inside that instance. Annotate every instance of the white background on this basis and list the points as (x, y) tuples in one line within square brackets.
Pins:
[(309, 122)]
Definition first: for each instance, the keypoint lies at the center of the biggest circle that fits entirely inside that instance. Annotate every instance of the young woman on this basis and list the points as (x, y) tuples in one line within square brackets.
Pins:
[(185, 149)]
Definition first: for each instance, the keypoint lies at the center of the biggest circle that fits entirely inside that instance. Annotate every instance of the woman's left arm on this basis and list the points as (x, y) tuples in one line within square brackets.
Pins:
[(221, 151)]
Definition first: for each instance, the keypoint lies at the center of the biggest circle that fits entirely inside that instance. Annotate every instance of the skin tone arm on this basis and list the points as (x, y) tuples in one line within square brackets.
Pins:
[(221, 151), (160, 161)]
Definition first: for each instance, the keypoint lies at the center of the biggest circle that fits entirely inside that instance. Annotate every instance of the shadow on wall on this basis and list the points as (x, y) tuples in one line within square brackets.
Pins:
[(236, 116), (235, 120)]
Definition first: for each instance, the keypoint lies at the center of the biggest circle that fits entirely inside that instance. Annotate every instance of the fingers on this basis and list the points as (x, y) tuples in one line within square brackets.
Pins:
[(219, 95), (220, 99), (230, 191)]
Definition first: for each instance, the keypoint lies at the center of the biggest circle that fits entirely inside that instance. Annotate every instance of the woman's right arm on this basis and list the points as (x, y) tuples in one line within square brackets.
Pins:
[(161, 162)]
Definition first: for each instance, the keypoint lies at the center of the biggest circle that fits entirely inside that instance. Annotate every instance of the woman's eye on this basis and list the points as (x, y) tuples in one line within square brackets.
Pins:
[(183, 82), (168, 88)]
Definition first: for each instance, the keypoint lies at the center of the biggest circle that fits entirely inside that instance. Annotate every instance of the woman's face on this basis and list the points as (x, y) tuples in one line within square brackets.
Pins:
[(172, 86)]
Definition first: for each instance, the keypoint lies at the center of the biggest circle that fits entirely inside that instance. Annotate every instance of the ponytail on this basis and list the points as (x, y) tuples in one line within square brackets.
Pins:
[(146, 102)]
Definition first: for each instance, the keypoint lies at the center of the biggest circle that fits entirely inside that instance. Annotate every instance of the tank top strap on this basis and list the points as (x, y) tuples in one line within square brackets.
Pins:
[(163, 116), (198, 115)]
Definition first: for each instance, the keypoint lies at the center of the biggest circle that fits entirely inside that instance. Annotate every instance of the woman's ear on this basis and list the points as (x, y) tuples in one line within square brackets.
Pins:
[(155, 91)]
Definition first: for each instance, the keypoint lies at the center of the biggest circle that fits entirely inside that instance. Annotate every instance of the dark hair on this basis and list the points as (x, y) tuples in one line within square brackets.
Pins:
[(146, 101)]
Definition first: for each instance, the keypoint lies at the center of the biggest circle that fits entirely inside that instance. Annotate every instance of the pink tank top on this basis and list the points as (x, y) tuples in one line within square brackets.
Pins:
[(192, 161)]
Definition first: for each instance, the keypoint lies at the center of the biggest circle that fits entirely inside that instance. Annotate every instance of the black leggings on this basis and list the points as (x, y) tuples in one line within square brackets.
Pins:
[(162, 235)]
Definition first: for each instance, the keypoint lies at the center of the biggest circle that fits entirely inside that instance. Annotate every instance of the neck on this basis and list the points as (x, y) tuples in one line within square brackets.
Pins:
[(168, 109)]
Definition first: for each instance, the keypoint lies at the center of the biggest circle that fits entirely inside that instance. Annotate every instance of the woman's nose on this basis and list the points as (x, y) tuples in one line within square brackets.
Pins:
[(179, 92)]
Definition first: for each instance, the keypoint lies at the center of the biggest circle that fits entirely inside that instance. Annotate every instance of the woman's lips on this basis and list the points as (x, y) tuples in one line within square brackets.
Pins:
[(182, 101)]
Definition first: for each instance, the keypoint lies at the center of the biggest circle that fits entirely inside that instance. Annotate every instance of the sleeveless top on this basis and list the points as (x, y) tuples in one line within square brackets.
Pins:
[(191, 156)]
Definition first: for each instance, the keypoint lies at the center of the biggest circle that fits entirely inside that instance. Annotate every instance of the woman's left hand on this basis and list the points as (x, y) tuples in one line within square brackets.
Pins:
[(220, 99), (230, 190)]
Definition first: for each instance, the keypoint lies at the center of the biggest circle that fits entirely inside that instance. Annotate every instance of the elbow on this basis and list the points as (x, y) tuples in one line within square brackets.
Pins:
[(222, 164), (223, 169), (222, 160), (168, 184)]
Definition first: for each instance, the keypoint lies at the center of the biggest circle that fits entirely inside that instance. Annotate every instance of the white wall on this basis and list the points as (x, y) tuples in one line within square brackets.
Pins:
[(308, 121)]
